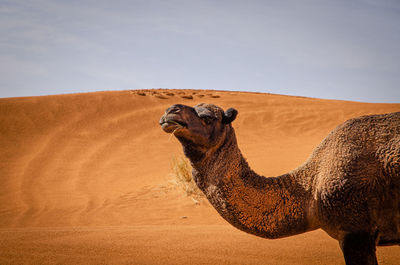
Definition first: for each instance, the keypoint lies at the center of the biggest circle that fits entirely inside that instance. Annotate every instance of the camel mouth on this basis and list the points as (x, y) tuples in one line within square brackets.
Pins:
[(171, 126)]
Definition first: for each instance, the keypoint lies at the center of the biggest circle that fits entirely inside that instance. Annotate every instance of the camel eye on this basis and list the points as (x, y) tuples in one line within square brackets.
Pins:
[(175, 110)]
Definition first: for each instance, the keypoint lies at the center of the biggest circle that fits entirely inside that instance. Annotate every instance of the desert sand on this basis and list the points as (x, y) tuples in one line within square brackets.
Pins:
[(86, 179)]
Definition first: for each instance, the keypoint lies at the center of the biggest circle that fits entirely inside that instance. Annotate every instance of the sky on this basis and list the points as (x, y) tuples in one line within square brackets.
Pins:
[(337, 49)]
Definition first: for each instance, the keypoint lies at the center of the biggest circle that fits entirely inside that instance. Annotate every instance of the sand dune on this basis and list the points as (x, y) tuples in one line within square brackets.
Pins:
[(85, 178)]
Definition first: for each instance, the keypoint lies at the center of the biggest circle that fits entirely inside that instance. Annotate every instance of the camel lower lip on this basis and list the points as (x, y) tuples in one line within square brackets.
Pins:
[(170, 127)]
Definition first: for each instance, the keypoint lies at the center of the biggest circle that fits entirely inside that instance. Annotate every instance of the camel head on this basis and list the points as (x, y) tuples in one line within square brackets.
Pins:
[(200, 129)]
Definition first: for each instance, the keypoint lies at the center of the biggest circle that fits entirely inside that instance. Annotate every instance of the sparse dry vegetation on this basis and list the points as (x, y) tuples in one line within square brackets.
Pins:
[(182, 177)]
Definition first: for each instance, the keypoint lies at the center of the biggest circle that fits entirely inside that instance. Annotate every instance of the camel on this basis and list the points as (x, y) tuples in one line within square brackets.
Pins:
[(349, 186)]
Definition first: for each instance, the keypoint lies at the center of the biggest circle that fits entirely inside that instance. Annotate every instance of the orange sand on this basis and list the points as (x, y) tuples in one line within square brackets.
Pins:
[(85, 179)]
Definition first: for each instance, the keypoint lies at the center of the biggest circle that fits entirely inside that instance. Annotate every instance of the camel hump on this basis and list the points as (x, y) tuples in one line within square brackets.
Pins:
[(360, 150), (381, 125), (373, 133), (383, 133)]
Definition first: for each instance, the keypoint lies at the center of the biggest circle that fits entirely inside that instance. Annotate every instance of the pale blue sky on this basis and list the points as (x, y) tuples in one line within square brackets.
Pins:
[(338, 49)]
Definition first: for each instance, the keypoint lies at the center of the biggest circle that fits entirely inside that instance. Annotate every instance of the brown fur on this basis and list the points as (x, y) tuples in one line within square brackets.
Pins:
[(350, 185)]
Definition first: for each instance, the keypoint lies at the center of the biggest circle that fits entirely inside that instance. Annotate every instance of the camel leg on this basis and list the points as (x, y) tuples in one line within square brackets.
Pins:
[(359, 248)]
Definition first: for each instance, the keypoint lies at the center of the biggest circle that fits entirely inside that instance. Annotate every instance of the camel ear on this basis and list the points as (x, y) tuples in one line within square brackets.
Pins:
[(203, 112), (229, 115)]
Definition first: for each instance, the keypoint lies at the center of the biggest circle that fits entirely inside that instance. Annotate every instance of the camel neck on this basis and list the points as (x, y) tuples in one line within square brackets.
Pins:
[(269, 207)]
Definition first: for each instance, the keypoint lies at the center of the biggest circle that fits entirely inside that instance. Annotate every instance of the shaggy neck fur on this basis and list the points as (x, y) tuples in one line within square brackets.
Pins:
[(268, 207)]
